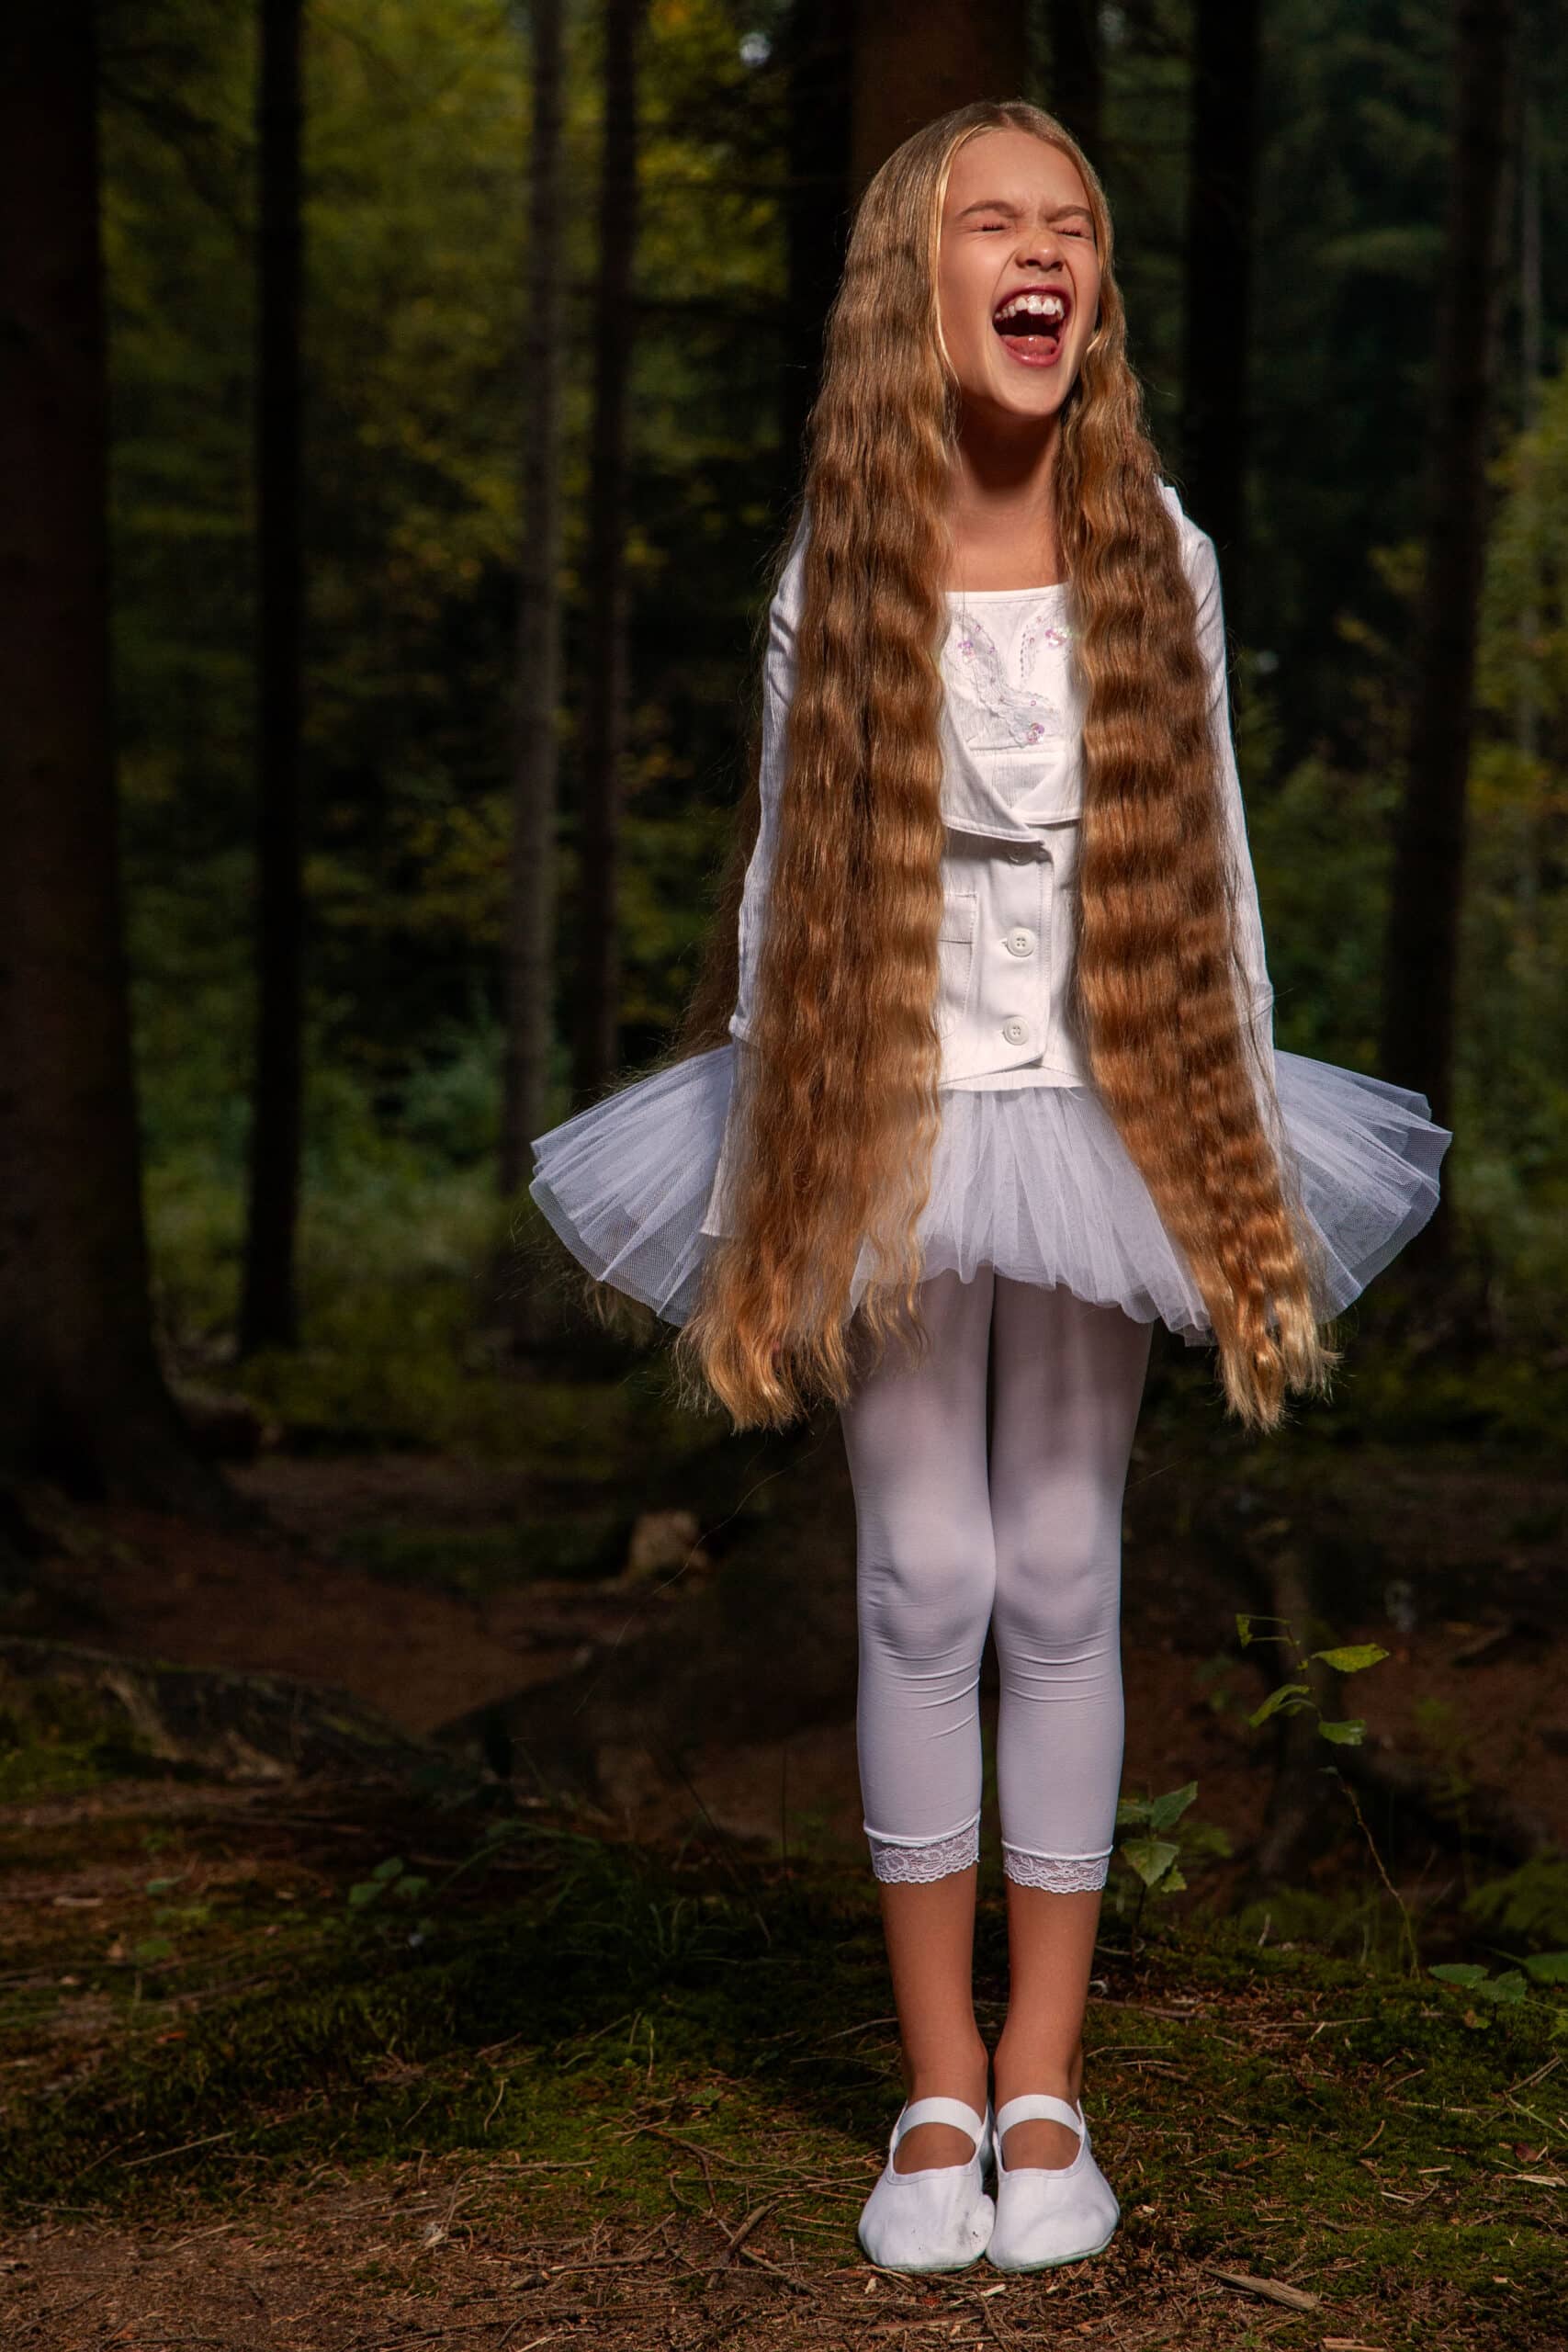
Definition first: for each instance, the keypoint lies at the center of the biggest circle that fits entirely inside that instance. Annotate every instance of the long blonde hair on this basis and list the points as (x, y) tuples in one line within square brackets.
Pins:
[(835, 1108)]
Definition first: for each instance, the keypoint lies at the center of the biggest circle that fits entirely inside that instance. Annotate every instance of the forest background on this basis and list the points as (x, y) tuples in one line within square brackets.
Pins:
[(1288, 323), (434, 490), (416, 134)]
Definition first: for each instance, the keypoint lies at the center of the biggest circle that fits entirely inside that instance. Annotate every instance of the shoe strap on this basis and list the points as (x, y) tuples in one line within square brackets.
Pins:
[(1031, 2105), (941, 2110)]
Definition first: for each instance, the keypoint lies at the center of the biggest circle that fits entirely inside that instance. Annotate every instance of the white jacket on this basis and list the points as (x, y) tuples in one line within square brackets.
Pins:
[(1006, 939)]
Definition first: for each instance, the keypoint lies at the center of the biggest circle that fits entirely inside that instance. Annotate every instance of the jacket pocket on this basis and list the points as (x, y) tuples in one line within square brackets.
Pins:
[(1044, 783), (955, 958)]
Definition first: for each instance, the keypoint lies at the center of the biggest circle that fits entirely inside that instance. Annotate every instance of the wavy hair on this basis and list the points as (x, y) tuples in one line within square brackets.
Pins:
[(835, 1110)]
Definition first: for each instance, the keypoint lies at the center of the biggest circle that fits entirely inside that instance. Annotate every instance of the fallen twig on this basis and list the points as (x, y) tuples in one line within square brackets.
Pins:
[(1273, 2290)]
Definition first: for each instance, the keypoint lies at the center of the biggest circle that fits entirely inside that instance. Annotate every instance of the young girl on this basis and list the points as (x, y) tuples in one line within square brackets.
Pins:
[(982, 1064)]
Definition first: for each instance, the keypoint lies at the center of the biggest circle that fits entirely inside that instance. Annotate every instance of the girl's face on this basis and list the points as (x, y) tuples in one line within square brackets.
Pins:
[(1017, 276)]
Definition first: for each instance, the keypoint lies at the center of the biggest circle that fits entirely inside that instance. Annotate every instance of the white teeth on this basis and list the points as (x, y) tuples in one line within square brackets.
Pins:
[(1040, 306)]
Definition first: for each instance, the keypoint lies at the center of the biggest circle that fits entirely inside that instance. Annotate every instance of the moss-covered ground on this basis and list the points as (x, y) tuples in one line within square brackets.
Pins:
[(445, 2061), (330, 2069)]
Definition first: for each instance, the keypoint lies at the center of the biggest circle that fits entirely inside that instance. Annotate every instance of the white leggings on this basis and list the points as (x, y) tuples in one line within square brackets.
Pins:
[(1029, 1543)]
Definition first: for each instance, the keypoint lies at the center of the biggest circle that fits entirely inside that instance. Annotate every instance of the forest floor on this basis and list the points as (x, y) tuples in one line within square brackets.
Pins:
[(425, 2055)]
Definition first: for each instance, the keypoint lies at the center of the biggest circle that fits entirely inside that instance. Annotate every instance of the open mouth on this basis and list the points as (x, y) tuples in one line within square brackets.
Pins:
[(1032, 325)]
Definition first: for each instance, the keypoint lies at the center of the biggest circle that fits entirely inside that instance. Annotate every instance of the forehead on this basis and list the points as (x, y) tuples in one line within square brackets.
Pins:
[(1013, 167)]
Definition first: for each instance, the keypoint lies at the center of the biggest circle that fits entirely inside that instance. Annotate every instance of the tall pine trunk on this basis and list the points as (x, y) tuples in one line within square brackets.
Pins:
[(818, 55), (604, 696), (1422, 947), (82, 1399), (269, 1314), (1075, 93), (530, 940), (517, 1291), (1217, 278), (915, 58)]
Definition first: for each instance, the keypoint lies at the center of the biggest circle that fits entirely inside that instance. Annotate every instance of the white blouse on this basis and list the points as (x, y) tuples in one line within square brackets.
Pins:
[(1011, 799)]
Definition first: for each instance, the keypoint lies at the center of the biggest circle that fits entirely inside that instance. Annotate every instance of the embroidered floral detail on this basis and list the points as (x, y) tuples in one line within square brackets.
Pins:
[(993, 714), (1058, 1873), (1038, 631), (916, 1865)]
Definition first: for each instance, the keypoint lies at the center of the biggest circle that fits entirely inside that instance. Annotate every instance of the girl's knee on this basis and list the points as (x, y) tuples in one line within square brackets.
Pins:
[(929, 1591), (1058, 1596)]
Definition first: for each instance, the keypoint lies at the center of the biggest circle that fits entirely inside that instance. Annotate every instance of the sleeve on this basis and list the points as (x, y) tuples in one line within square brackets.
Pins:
[(1203, 571), (778, 686)]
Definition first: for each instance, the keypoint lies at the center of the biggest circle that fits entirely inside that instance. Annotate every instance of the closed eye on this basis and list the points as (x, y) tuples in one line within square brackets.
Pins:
[(985, 228)]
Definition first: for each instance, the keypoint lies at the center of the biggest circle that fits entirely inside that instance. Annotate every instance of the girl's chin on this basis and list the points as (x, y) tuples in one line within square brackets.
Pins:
[(1023, 391)]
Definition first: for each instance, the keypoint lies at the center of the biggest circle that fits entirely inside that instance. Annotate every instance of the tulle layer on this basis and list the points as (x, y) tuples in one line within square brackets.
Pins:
[(1032, 1181)]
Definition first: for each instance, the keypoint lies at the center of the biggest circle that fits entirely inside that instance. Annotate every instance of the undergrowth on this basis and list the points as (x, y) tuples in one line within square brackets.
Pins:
[(520, 1987)]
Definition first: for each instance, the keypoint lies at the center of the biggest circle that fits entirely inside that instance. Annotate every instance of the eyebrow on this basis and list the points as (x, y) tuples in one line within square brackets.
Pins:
[(1003, 204)]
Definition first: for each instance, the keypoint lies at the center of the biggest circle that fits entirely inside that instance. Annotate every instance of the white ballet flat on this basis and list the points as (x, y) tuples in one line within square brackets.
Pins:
[(939, 2218), (1047, 2214)]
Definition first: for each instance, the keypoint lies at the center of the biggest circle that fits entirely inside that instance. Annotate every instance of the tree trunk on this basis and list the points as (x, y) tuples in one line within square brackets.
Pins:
[(605, 688), (530, 936), (1422, 946), (1077, 86), (1526, 701), (83, 1401), (268, 1316), (915, 58), (818, 53), (1221, 149)]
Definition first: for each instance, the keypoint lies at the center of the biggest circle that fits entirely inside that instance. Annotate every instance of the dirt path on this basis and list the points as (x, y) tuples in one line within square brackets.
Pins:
[(444, 2255)]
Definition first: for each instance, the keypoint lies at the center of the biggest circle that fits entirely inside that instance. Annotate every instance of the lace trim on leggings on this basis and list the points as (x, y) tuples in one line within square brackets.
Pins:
[(1058, 1873), (917, 1864)]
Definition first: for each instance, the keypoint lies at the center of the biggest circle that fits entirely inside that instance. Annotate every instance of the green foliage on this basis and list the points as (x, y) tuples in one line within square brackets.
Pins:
[(1156, 1858), (1510, 1988), (1529, 1905), (389, 1885), (1319, 840), (416, 131), (1296, 1698)]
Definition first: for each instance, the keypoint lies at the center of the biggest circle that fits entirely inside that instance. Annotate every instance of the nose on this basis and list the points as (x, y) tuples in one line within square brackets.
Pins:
[(1040, 245)]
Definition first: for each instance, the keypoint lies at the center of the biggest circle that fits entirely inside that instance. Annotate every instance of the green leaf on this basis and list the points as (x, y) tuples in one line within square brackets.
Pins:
[(1549, 1967), (369, 1890), (1172, 1883), (411, 1886), (1151, 1858), (391, 1868), (150, 1948), (1354, 1659), (1348, 1733), (1468, 1973), (1244, 1630), (1166, 1810), (1286, 1693), (1131, 1813), (1509, 1989), (162, 1886)]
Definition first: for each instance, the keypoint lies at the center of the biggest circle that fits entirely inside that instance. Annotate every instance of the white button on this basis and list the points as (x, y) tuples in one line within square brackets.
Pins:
[(1016, 1032), (1020, 943)]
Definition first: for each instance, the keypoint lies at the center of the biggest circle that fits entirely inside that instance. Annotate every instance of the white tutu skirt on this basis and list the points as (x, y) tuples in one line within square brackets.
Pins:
[(1034, 1180)]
